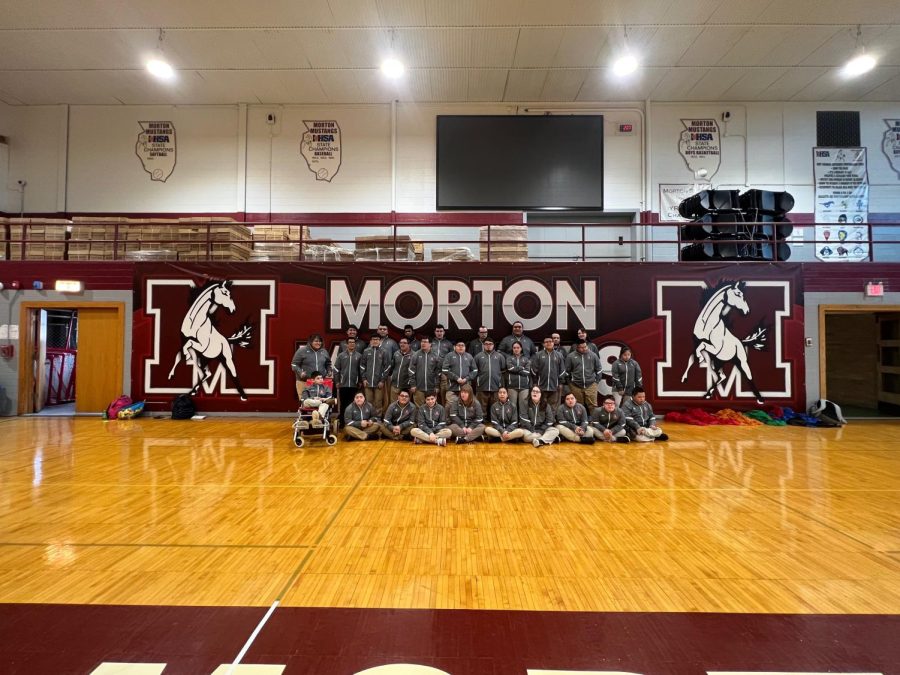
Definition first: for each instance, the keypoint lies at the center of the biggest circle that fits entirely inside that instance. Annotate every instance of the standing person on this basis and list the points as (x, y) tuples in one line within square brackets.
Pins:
[(476, 346), (424, 372), (352, 332), (640, 422), (537, 420), (318, 395), (431, 421), (360, 420), (608, 422), (504, 419), (347, 372), (466, 416), (626, 375), (388, 344), (410, 334), (548, 370), (399, 419), (400, 376), (490, 365), (582, 335), (375, 369), (459, 369), (442, 346), (557, 344), (584, 371), (518, 378), (528, 348), (309, 358), (572, 421)]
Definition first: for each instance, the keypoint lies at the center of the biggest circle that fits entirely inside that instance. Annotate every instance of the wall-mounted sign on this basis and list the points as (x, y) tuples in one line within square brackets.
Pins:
[(320, 146), (670, 196), (891, 144), (842, 204), (700, 146), (156, 149)]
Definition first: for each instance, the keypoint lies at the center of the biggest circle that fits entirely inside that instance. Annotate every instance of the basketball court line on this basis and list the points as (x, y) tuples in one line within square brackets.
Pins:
[(137, 545)]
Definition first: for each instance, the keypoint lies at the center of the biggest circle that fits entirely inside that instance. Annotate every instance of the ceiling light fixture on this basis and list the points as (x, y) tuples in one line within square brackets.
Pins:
[(862, 62), (392, 68), (158, 66), (627, 63)]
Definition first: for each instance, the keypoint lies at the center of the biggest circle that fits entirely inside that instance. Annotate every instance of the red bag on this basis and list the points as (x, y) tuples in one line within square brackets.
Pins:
[(112, 411)]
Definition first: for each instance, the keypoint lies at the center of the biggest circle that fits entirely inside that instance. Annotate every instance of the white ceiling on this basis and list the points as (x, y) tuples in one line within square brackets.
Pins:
[(328, 51)]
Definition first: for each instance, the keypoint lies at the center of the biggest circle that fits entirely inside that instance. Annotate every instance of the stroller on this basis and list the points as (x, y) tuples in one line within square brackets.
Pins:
[(309, 425)]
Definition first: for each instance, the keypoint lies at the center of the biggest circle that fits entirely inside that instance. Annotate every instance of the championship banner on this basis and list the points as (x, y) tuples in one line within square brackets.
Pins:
[(700, 146), (704, 335), (842, 204), (156, 149), (320, 146), (890, 145), (670, 196)]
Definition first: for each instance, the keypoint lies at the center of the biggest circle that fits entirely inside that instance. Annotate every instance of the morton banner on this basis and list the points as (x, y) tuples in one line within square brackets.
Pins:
[(704, 335)]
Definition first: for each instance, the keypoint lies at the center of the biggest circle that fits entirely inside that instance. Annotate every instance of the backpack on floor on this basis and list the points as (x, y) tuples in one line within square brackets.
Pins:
[(130, 411), (183, 407), (827, 412), (112, 410)]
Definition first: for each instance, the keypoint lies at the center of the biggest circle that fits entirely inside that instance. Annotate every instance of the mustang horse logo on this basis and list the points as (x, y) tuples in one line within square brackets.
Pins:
[(715, 345), (201, 342)]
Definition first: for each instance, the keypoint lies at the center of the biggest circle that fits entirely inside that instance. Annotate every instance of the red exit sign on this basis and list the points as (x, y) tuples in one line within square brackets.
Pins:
[(626, 128)]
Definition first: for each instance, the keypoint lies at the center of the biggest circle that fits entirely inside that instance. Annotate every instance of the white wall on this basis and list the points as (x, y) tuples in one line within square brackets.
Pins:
[(37, 155)]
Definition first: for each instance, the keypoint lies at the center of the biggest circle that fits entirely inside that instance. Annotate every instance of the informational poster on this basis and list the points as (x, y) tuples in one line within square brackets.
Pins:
[(842, 204), (670, 196), (320, 146), (701, 147), (156, 149), (891, 144)]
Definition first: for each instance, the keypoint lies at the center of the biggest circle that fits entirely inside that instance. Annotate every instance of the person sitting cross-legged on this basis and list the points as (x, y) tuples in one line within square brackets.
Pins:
[(466, 416), (608, 422), (640, 422), (431, 422), (360, 420), (536, 419), (572, 421), (504, 419), (318, 395), (400, 418)]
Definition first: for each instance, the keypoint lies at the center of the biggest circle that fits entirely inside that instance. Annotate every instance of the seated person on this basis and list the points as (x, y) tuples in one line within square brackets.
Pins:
[(640, 421), (608, 422), (572, 421), (360, 420), (504, 419), (466, 416), (318, 395), (400, 417), (431, 422), (536, 420)]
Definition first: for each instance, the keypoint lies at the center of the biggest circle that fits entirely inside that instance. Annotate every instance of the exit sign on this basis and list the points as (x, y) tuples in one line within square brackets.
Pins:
[(875, 289), (625, 129)]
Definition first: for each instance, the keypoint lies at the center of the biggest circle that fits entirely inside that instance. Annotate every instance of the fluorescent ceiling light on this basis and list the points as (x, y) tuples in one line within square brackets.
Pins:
[(392, 68), (859, 65), (625, 65), (161, 69)]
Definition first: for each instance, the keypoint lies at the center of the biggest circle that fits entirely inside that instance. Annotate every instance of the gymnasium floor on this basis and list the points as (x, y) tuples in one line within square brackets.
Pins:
[(725, 549)]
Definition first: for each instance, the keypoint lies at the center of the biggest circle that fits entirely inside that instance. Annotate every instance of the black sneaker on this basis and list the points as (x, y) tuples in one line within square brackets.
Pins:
[(623, 439), (662, 437)]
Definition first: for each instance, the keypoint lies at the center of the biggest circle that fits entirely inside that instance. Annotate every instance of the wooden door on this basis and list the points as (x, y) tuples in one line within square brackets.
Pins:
[(99, 366)]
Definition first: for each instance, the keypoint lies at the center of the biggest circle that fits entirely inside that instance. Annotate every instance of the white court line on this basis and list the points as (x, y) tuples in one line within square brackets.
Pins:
[(252, 637)]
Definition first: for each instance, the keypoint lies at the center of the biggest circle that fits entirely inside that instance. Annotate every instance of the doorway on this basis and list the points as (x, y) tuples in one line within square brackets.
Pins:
[(859, 361), (71, 358)]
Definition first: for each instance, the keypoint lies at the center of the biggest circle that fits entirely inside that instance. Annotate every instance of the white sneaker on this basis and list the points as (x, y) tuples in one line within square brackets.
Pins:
[(536, 442), (441, 441)]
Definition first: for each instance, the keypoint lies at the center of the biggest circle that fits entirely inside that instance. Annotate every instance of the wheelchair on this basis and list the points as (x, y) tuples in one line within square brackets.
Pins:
[(308, 425)]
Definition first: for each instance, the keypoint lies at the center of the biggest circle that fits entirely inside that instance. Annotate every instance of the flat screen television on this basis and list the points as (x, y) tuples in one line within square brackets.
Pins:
[(520, 162)]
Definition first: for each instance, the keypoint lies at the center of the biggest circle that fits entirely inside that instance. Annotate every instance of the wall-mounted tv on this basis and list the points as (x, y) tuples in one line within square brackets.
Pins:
[(520, 162)]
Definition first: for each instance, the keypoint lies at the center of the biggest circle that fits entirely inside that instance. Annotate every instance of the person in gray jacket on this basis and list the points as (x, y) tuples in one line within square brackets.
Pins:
[(548, 371), (466, 416), (504, 420), (431, 422), (490, 365), (640, 422), (388, 344), (375, 369), (572, 421), (537, 420), (583, 372), (346, 373), (528, 348), (459, 368), (352, 332), (399, 419), (400, 377), (360, 420), (582, 335), (424, 372), (310, 358), (441, 346), (626, 375), (608, 422), (476, 346), (518, 378)]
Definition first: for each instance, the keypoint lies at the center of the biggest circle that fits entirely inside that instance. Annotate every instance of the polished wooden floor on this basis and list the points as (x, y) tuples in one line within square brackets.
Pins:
[(227, 512)]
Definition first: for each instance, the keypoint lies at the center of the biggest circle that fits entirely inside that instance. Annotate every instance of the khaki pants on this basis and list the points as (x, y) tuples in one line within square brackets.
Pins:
[(442, 391), (570, 435), (552, 397), (585, 396), (375, 396), (388, 432), (513, 435), (419, 397), (486, 399), (322, 405), (549, 436), (475, 432), (600, 436), (621, 396), (393, 396), (449, 397), (519, 398), (357, 434), (425, 437), (648, 436)]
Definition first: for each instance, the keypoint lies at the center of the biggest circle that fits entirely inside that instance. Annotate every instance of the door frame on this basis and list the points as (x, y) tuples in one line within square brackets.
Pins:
[(26, 342), (841, 309)]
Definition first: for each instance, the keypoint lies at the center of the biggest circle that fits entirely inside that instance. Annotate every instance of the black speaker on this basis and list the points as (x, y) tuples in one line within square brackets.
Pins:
[(709, 201), (766, 201)]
